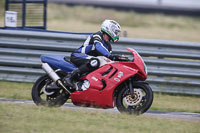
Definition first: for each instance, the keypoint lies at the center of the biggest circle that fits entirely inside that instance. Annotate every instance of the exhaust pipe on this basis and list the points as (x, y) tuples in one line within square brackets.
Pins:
[(52, 74)]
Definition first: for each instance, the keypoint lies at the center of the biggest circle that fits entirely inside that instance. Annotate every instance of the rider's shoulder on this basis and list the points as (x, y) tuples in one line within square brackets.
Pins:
[(98, 35)]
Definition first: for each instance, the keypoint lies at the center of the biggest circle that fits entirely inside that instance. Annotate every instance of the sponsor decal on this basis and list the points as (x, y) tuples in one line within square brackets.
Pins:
[(94, 78), (116, 79), (120, 74)]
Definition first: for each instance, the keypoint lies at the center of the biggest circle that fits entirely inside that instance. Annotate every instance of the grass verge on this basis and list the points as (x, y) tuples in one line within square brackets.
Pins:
[(15, 90), (17, 118), (163, 102), (137, 25)]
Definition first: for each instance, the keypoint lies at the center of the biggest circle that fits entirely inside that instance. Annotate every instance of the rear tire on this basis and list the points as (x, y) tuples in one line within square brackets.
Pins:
[(56, 97), (137, 105)]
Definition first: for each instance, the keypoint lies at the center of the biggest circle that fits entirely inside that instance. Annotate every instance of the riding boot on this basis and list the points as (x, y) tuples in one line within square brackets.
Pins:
[(76, 74), (72, 78)]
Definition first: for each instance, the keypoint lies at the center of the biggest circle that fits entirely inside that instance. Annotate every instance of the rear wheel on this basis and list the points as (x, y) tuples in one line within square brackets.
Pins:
[(46, 92), (143, 98)]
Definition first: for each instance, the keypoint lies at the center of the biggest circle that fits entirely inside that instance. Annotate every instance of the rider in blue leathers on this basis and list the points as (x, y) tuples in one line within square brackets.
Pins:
[(97, 44)]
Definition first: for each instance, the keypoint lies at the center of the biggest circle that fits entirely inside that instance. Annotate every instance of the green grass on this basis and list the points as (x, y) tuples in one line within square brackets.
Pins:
[(17, 118), (2, 13), (15, 90), (126, 18), (137, 25), (163, 102), (176, 103)]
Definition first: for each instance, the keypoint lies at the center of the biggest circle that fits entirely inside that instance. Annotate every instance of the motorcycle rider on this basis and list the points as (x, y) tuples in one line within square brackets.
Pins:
[(97, 44)]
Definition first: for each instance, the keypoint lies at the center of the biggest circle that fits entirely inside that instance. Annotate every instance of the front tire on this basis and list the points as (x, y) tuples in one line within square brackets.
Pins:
[(137, 105), (52, 97)]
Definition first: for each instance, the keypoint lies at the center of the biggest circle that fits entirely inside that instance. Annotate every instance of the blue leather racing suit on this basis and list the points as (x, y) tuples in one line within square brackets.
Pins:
[(92, 47)]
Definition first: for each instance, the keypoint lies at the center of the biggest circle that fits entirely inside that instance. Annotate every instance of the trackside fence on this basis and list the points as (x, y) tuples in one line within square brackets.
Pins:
[(173, 67)]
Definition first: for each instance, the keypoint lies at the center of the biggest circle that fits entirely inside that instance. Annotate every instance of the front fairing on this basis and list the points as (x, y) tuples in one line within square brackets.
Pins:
[(139, 63)]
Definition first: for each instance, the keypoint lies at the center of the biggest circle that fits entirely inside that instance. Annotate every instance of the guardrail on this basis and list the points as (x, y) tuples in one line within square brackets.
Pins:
[(174, 67)]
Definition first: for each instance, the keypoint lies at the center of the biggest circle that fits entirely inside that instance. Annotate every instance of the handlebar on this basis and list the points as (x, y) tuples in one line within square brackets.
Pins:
[(123, 58)]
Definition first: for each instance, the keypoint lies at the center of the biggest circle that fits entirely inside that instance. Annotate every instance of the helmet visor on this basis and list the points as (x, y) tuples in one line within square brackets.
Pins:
[(115, 32)]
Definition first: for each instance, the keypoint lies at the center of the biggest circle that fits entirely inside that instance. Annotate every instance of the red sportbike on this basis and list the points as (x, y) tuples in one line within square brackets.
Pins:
[(118, 84)]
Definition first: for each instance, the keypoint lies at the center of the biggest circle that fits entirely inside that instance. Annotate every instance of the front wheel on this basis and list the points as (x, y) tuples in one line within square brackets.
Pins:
[(143, 98)]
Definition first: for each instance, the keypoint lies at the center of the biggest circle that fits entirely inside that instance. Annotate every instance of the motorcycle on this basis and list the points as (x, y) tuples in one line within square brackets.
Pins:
[(118, 84)]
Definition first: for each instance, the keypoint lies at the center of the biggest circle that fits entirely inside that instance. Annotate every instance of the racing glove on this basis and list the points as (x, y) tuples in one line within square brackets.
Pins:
[(118, 58), (114, 57)]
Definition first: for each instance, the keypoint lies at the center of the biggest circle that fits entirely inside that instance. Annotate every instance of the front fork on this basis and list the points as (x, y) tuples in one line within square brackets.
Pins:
[(130, 85)]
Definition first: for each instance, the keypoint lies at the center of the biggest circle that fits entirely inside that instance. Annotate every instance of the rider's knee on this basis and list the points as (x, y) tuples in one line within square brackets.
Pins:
[(94, 63)]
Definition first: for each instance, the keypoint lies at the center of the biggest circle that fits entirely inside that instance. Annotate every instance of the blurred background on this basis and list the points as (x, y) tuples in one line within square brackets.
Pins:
[(150, 19), (177, 20)]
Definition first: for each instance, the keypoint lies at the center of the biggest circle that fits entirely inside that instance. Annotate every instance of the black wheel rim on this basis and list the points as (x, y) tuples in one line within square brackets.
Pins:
[(48, 99), (134, 105)]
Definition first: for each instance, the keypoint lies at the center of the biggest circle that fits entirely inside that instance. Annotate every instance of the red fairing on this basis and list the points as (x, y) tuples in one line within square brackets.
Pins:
[(96, 95), (105, 80), (139, 63)]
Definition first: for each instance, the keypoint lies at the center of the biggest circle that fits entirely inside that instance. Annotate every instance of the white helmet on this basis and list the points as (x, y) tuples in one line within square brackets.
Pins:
[(112, 29)]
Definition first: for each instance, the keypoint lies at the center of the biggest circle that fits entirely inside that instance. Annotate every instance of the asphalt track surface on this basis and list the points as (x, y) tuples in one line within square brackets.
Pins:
[(150, 113)]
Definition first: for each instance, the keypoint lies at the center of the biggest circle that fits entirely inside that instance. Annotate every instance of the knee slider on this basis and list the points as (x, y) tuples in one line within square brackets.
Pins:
[(94, 63)]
